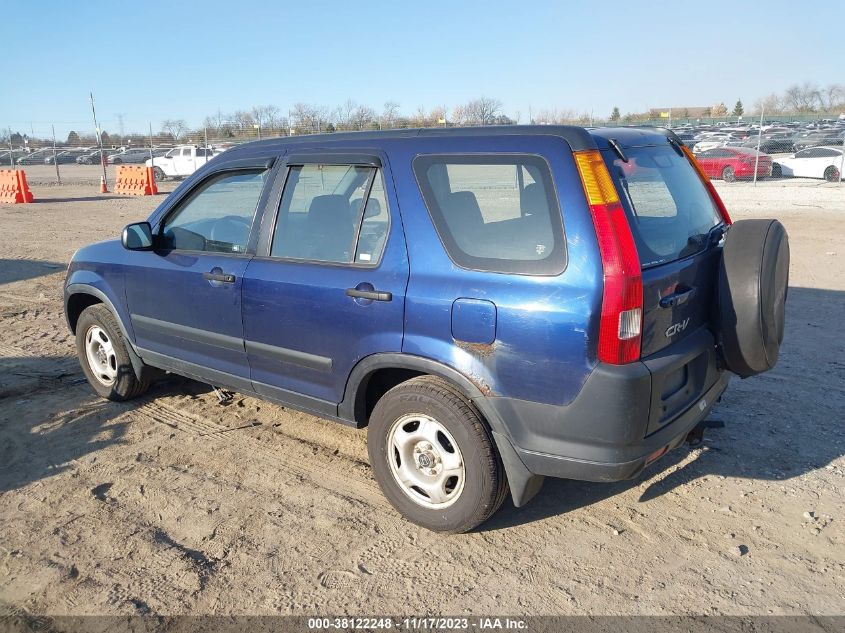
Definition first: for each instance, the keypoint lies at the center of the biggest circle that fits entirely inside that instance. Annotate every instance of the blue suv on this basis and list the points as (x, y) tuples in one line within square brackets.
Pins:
[(495, 305)]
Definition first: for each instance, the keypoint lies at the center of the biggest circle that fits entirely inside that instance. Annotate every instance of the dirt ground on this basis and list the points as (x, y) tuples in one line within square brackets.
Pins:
[(175, 504)]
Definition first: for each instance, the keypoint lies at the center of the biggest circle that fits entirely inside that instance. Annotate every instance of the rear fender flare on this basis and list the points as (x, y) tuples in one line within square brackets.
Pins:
[(523, 484)]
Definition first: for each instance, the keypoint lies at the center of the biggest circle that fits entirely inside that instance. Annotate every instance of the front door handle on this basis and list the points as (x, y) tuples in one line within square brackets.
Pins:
[(373, 295), (221, 277), (677, 298)]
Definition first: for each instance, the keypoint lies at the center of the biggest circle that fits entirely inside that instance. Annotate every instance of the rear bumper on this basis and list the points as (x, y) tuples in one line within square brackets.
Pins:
[(622, 417)]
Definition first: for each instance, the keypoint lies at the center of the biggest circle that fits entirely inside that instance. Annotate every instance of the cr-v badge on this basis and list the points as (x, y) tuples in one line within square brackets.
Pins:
[(676, 327)]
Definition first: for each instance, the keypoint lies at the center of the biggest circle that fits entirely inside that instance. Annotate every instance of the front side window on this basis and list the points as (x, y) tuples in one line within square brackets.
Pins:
[(496, 213), (217, 216), (332, 213)]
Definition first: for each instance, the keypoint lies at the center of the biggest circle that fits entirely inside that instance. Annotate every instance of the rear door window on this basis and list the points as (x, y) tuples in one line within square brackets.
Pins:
[(669, 209), (496, 213), (332, 213)]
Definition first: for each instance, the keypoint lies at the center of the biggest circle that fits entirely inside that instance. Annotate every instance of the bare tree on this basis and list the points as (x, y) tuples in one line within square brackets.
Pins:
[(555, 117), (174, 127), (481, 111), (833, 97), (389, 114), (803, 98), (266, 116), (362, 117), (770, 104)]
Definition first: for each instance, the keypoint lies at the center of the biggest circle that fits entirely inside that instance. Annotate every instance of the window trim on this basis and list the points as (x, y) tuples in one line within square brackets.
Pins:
[(192, 194), (336, 160), (552, 266)]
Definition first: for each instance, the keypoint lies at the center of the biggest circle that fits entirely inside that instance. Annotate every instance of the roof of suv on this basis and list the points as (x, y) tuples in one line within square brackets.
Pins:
[(579, 138)]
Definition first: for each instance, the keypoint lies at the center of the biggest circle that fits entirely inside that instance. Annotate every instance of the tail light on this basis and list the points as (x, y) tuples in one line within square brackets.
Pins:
[(620, 330), (709, 185)]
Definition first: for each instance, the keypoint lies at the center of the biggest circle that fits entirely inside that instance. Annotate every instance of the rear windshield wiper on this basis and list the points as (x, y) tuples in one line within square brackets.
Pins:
[(614, 145)]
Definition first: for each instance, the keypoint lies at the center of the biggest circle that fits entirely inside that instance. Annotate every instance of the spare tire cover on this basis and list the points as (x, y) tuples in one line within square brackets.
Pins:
[(753, 281)]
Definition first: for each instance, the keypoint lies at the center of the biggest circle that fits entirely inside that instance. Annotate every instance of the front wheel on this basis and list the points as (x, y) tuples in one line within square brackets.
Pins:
[(831, 174), (728, 174), (103, 356), (433, 456)]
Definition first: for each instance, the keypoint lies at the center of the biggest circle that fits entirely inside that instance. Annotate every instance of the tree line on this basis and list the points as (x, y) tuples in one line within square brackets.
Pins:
[(306, 118)]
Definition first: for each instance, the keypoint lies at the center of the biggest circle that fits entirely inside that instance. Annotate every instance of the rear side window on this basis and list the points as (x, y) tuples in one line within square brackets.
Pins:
[(496, 213), (668, 207), (332, 213)]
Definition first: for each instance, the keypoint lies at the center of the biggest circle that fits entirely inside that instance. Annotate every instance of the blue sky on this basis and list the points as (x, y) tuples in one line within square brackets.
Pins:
[(152, 60)]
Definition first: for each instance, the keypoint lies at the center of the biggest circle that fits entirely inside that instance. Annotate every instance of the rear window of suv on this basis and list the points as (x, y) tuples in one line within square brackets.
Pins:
[(669, 209), (495, 213)]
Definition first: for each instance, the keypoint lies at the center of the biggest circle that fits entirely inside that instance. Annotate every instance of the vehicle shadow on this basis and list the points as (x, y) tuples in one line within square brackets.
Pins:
[(49, 418), (12, 270), (779, 425)]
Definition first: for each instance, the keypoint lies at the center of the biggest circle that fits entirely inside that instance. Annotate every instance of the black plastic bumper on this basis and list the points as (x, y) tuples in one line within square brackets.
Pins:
[(621, 418)]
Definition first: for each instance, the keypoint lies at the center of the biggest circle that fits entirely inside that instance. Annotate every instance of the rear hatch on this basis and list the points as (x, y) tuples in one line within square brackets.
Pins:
[(677, 229)]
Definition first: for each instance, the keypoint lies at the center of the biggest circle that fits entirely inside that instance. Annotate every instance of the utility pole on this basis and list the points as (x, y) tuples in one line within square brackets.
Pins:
[(55, 159), (99, 140), (759, 139)]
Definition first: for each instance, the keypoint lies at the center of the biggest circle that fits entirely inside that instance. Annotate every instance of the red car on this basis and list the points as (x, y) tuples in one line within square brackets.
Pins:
[(730, 163)]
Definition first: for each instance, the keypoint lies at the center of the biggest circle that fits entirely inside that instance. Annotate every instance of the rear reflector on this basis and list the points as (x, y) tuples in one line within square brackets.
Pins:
[(656, 455), (710, 188), (620, 330)]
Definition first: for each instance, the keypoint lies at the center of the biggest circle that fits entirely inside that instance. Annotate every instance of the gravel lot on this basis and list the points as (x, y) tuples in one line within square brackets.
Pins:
[(175, 504)]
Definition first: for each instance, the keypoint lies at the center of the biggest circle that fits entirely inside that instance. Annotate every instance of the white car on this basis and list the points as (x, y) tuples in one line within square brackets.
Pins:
[(813, 162), (181, 161)]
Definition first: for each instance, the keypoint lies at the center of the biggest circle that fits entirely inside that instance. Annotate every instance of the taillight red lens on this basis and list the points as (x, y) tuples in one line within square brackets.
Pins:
[(709, 185), (620, 330)]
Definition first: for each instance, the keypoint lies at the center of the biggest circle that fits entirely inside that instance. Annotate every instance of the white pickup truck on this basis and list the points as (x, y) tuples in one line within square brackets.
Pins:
[(180, 162)]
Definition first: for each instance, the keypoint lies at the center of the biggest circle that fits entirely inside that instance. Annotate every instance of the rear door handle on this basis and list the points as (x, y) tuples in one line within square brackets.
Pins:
[(222, 277), (678, 298), (374, 295)]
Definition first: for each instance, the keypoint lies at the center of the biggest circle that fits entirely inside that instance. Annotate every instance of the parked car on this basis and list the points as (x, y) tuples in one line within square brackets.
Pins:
[(776, 143), (92, 156), (814, 162), (180, 161), (63, 157), (495, 305), (817, 139), (35, 158), (9, 156), (135, 155), (731, 163)]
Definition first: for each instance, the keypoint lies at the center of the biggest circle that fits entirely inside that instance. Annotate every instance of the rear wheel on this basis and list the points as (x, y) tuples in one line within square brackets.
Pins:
[(103, 356), (433, 456), (160, 176), (831, 174), (117, 161), (728, 174)]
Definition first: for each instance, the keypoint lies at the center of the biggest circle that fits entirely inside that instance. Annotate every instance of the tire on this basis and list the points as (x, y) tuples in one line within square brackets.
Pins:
[(777, 171), (117, 161), (831, 174), (753, 284), (728, 174), (102, 354), (421, 430), (160, 176)]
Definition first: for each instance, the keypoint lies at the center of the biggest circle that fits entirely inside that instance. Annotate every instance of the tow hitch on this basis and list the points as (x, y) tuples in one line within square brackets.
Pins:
[(696, 436)]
